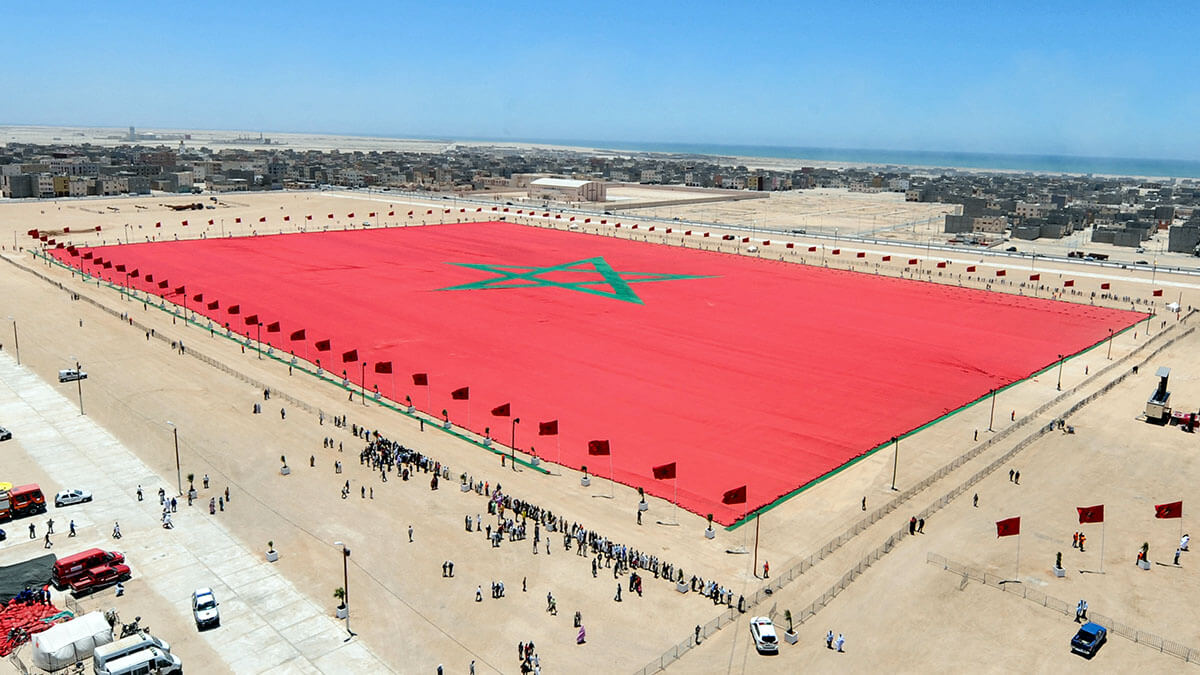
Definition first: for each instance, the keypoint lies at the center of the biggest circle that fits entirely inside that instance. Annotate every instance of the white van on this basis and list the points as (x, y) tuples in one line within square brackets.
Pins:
[(124, 647), (152, 661)]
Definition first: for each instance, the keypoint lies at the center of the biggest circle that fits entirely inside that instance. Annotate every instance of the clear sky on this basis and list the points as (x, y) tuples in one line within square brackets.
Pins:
[(1099, 78)]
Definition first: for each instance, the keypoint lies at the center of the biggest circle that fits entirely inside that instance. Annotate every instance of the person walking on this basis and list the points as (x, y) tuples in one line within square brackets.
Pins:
[(1075, 540), (697, 633), (829, 640), (921, 526), (975, 500), (72, 528), (1177, 552), (840, 642), (1082, 538), (116, 530), (912, 525), (410, 533), (1017, 477), (1010, 475), (48, 544), (479, 593)]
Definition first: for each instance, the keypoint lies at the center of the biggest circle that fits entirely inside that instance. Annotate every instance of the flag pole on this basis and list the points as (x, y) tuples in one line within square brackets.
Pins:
[(393, 385), (612, 480), (1018, 577), (1102, 547), (675, 513)]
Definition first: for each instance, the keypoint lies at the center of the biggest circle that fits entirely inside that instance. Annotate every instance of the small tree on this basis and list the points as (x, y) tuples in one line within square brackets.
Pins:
[(1058, 560), (710, 516), (584, 467), (339, 594), (283, 459), (191, 479), (642, 493), (787, 614), (271, 546)]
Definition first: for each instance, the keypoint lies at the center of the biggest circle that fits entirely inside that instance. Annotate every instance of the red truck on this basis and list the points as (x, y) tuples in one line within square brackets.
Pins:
[(99, 577), (21, 501), (85, 563)]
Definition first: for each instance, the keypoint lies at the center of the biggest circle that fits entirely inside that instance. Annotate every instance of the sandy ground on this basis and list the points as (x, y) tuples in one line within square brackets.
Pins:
[(412, 618)]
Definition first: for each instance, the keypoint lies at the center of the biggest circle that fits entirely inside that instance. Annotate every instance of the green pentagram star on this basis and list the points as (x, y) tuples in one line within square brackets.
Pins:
[(520, 276)]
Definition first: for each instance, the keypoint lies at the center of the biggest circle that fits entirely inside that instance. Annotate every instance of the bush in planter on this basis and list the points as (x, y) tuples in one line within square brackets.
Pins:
[(270, 547), (339, 594), (1058, 560), (191, 479), (710, 517), (787, 614), (283, 460)]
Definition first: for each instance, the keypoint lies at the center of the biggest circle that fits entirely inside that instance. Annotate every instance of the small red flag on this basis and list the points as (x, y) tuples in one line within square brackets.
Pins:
[(350, 356), (734, 496), (323, 345), (180, 290), (87, 255), (252, 320), (273, 327), (1035, 277), (912, 261), (970, 268), (185, 223), (298, 335), (599, 448), (371, 214), (120, 268), (1105, 286), (1090, 514), (199, 297), (548, 428), (331, 215), (237, 220), (234, 309), (420, 379), (210, 221), (860, 254), (214, 304), (1157, 292), (391, 213), (134, 274), (1001, 273), (163, 284), (1172, 510), (263, 219), (309, 217), (462, 394), (349, 215), (665, 472), (502, 410), (1008, 527), (383, 367), (108, 264), (286, 218), (1069, 283)]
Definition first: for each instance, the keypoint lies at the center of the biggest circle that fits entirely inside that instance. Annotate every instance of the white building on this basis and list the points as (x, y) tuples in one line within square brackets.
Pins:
[(567, 189)]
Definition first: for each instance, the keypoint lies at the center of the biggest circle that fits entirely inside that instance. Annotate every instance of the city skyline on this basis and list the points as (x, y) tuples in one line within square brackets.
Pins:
[(979, 79)]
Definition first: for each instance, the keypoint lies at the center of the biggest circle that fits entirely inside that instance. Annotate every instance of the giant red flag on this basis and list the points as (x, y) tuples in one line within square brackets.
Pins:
[(420, 379), (1008, 526), (548, 428), (734, 496), (1172, 510), (298, 335), (383, 367), (502, 410), (323, 345), (599, 448), (350, 356), (665, 472), (461, 394), (1090, 514)]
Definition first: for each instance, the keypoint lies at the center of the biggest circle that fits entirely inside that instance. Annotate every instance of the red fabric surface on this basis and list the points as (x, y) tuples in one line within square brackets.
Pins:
[(757, 375)]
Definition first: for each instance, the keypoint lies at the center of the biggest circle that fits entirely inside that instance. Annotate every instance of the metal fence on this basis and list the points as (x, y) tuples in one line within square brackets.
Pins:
[(801, 566), (1115, 627)]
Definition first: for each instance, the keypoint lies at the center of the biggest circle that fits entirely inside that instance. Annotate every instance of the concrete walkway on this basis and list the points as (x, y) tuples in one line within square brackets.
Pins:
[(266, 624)]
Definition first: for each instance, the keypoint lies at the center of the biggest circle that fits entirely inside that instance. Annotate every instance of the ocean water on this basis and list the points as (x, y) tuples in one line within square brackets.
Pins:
[(1052, 164)]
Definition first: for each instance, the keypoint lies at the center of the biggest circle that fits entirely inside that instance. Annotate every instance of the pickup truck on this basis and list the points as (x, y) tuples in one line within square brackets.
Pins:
[(99, 577)]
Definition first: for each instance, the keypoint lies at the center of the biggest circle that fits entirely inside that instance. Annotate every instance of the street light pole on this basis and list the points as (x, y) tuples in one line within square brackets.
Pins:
[(895, 459), (346, 586), (79, 385), (1060, 364), (513, 444), (16, 343), (1110, 339), (178, 471), (992, 417)]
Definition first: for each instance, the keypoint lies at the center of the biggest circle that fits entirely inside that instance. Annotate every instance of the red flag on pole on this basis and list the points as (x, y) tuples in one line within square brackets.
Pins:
[(1157, 292), (548, 428), (1105, 286), (502, 410), (185, 223), (391, 213), (420, 379), (665, 472), (1008, 527), (210, 221), (308, 217), (323, 346), (734, 496), (461, 394), (134, 274), (331, 216), (234, 309), (371, 214), (237, 220), (1001, 273), (287, 218), (298, 335), (214, 304), (1035, 277), (1068, 283), (1090, 514), (179, 290), (970, 268), (273, 327), (163, 284), (199, 297), (1172, 510), (252, 320), (120, 268), (350, 356), (383, 367), (599, 448), (263, 219)]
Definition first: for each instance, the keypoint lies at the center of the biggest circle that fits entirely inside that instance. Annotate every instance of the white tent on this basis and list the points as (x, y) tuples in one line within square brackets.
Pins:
[(63, 645)]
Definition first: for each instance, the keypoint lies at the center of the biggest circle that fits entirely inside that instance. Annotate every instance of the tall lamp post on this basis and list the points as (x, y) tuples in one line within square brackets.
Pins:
[(346, 585), (992, 417), (1060, 364), (16, 344), (178, 472), (895, 459), (1110, 339), (78, 382), (513, 445)]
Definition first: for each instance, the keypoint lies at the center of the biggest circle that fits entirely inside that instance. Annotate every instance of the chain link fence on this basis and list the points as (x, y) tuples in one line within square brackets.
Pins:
[(1147, 638)]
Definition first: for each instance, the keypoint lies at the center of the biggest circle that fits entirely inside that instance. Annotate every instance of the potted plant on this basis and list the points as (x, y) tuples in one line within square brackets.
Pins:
[(191, 480), (1144, 559), (445, 418), (408, 403), (585, 481), (487, 437), (709, 533), (272, 554), (284, 470), (340, 594), (463, 484), (642, 505), (1058, 568), (791, 636), (533, 458)]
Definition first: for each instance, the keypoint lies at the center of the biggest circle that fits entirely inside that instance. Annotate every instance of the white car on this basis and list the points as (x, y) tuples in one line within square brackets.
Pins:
[(204, 608), (72, 497), (763, 631)]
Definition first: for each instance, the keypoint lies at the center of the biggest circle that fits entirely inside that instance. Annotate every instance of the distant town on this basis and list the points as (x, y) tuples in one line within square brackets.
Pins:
[(995, 207)]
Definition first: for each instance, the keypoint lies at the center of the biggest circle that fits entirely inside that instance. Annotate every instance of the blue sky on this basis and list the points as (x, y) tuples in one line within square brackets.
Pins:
[(1104, 79)]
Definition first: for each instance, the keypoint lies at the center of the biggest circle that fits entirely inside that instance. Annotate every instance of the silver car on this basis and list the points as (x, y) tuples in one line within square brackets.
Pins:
[(71, 497)]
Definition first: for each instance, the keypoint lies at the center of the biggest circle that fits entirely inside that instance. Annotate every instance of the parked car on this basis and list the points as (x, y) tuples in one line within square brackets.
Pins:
[(3, 535), (1011, 249), (67, 497), (5, 434), (99, 577), (204, 608), (1089, 639), (762, 629), (1141, 262), (71, 374)]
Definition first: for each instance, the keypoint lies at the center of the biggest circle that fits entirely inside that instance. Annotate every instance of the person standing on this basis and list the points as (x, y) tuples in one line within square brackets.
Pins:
[(829, 640), (1177, 552), (912, 525), (410, 533), (1079, 611), (1017, 477), (975, 500), (841, 642), (921, 526), (116, 530)]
